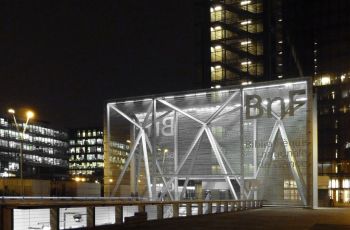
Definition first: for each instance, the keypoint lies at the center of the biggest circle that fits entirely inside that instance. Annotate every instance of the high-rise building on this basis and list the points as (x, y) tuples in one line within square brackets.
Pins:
[(44, 151), (247, 41), (253, 40), (329, 27), (334, 136), (86, 155)]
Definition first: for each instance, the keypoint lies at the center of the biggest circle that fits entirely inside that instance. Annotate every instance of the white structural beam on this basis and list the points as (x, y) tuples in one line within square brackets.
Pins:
[(126, 116), (255, 157), (148, 113), (153, 147), (193, 144), (190, 170), (220, 162), (145, 158), (180, 111), (235, 109), (222, 107), (268, 148), (314, 154), (176, 161)]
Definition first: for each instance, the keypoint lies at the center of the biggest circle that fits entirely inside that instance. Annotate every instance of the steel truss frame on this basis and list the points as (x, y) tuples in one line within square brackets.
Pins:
[(148, 150)]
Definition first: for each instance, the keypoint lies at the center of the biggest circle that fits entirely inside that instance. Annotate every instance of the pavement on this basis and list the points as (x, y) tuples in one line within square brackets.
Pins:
[(264, 218)]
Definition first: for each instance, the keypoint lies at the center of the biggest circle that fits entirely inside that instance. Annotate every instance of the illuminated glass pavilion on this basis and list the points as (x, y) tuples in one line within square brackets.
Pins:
[(260, 150)]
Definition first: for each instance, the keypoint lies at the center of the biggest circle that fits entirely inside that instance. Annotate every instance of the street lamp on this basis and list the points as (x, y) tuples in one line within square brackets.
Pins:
[(29, 115)]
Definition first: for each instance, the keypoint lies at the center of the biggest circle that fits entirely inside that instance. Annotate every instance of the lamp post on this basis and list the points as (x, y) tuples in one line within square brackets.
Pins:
[(29, 115)]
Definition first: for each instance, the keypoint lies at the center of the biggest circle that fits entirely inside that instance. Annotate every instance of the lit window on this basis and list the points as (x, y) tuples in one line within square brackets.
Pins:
[(217, 8), (247, 22), (246, 83), (342, 77), (347, 145), (333, 183), (246, 63), (245, 43), (333, 95), (218, 47), (325, 80), (243, 3)]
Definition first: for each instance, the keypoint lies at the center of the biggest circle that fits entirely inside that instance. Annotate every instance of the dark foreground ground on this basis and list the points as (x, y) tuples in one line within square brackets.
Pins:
[(265, 218)]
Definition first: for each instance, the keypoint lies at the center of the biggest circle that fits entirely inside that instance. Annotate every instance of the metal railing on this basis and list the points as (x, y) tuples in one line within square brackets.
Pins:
[(123, 209)]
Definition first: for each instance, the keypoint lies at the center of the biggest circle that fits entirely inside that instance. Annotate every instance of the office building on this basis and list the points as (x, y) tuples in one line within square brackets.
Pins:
[(246, 41), (86, 155), (265, 40), (334, 135), (44, 150), (330, 68)]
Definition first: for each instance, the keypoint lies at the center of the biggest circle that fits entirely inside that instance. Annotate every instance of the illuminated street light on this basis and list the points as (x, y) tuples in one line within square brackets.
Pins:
[(29, 115)]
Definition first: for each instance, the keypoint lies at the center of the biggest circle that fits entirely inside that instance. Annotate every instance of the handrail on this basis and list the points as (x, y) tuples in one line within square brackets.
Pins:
[(97, 201), (163, 209)]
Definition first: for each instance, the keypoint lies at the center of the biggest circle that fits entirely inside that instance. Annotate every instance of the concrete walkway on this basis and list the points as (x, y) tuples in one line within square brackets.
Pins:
[(265, 218)]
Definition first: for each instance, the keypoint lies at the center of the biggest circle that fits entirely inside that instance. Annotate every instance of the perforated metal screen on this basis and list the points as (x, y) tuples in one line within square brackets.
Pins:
[(259, 150)]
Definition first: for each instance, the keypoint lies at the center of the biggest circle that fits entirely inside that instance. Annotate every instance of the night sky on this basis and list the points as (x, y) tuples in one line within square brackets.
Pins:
[(63, 59)]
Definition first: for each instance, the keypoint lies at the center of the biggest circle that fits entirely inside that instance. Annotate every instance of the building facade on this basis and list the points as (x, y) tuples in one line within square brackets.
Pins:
[(265, 40), (331, 68), (208, 142), (246, 41), (86, 155), (334, 135), (116, 154), (44, 151)]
